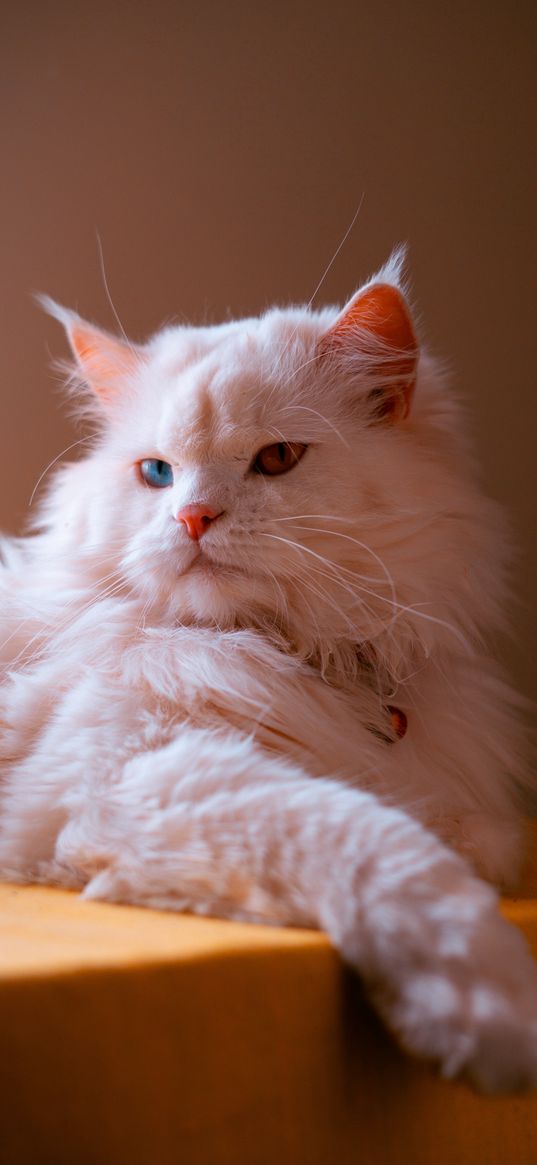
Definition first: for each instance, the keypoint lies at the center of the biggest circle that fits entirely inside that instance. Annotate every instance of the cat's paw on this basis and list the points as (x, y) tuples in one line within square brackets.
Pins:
[(474, 1014)]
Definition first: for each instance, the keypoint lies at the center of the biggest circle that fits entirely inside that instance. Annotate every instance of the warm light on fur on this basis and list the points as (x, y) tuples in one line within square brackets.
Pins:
[(203, 723)]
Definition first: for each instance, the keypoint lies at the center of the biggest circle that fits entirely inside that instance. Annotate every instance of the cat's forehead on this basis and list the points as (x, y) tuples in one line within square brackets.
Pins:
[(215, 383), (258, 345)]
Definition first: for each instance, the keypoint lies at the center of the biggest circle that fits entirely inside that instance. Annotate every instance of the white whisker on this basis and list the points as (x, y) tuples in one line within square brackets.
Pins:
[(402, 608), (315, 412), (49, 628), (325, 273), (81, 441)]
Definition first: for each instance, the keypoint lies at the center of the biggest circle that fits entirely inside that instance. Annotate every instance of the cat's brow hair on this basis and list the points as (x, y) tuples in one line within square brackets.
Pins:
[(327, 269), (315, 412), (109, 296), (338, 249)]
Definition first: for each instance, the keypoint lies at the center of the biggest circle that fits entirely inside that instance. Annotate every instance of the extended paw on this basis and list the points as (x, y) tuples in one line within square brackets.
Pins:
[(474, 1016)]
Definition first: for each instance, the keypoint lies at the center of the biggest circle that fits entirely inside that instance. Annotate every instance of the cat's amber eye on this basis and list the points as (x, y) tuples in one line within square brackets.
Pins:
[(279, 458)]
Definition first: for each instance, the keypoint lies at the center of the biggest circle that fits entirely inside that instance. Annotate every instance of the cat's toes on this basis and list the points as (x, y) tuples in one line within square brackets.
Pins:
[(501, 1004), (478, 1032), (474, 1014), (504, 1057)]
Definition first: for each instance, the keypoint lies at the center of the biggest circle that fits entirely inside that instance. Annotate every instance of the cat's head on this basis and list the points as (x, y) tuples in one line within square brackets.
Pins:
[(280, 471)]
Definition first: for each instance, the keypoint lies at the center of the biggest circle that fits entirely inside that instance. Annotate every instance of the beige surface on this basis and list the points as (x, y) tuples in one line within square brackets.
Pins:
[(135, 1037), (47, 931), (221, 150)]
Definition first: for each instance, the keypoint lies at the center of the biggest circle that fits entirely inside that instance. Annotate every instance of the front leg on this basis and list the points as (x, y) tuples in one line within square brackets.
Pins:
[(214, 825)]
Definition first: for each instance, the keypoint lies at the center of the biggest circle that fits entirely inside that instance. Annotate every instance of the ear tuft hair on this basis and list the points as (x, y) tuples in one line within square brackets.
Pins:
[(64, 315), (393, 271)]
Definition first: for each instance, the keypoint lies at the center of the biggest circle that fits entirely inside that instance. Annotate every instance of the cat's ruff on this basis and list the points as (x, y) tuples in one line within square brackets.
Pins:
[(273, 559)]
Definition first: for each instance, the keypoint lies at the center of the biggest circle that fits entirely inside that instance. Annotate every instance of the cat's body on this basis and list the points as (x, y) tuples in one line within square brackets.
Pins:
[(245, 665)]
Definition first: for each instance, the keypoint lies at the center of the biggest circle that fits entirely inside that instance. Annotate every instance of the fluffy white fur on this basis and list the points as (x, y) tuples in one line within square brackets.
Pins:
[(204, 726)]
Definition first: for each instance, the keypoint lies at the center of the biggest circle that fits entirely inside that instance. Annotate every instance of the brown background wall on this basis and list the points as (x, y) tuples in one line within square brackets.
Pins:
[(221, 149)]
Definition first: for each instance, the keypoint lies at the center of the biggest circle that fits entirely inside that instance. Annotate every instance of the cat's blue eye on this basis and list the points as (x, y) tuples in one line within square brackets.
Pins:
[(156, 473)]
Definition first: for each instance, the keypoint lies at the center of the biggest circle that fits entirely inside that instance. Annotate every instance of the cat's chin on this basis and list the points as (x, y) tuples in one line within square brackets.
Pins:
[(222, 594)]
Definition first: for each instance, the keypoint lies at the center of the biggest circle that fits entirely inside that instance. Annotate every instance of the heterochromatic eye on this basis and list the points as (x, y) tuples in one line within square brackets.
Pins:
[(280, 458), (156, 473)]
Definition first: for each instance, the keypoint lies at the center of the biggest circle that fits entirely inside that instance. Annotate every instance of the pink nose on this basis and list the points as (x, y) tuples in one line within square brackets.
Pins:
[(197, 519)]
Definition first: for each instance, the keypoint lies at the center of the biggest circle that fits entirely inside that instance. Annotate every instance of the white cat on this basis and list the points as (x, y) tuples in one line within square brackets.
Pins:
[(245, 670)]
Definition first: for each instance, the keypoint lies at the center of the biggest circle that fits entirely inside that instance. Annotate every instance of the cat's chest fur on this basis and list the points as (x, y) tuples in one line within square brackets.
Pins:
[(132, 687)]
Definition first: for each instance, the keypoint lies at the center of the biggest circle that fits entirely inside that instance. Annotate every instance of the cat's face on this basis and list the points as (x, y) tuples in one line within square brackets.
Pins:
[(256, 471), (232, 444)]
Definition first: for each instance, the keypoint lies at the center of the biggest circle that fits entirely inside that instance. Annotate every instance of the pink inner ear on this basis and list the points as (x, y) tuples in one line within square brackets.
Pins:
[(381, 311), (83, 341), (103, 358)]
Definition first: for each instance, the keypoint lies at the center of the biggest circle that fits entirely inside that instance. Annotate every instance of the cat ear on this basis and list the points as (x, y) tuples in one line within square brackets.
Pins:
[(375, 336), (104, 361)]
